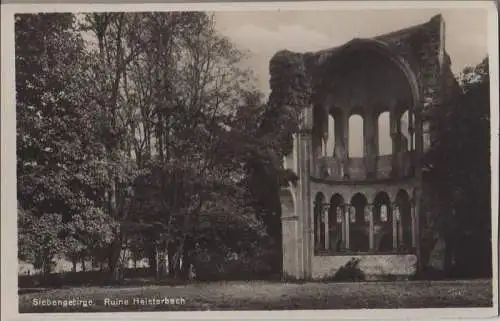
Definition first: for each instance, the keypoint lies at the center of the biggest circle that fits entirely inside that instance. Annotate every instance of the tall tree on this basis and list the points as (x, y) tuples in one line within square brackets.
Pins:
[(58, 155), (459, 162)]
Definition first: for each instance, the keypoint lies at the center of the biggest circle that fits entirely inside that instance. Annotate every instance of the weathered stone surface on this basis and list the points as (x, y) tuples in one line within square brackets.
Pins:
[(407, 70), (373, 266)]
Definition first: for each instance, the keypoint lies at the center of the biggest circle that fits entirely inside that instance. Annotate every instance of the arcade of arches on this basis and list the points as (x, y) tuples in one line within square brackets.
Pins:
[(357, 226), (357, 150)]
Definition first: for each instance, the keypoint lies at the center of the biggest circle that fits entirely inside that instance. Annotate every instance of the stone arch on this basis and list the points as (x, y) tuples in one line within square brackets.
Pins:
[(319, 221), (336, 222), (359, 227), (384, 50), (383, 222), (404, 231)]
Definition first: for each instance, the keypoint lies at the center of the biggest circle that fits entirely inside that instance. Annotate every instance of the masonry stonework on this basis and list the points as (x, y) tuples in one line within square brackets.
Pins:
[(366, 206)]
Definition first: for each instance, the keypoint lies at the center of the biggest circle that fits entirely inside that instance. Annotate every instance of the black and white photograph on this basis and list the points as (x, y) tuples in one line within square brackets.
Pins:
[(328, 158)]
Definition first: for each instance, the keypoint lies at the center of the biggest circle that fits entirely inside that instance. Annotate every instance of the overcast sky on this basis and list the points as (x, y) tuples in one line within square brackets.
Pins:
[(263, 33)]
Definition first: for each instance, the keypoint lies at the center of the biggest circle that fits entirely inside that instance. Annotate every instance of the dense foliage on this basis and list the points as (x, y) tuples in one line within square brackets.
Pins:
[(141, 137), (459, 167), (136, 135)]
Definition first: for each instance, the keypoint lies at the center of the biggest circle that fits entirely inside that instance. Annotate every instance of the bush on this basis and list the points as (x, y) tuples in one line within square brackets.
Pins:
[(430, 273), (216, 267), (349, 272)]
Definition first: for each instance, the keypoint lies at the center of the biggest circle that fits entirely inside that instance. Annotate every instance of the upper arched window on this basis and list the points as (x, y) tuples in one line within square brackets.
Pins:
[(356, 136), (384, 134)]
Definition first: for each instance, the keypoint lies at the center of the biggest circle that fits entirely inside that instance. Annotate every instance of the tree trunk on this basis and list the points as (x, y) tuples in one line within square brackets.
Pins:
[(186, 259), (162, 264), (73, 269), (83, 264), (152, 262), (114, 259), (171, 249)]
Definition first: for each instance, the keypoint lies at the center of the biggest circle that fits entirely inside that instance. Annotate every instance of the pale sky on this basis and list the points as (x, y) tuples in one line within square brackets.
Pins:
[(263, 33)]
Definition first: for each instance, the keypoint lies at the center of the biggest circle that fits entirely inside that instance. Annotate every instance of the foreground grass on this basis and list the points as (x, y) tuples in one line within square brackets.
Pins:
[(275, 296)]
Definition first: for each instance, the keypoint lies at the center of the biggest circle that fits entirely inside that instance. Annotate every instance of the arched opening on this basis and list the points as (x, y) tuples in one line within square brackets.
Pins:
[(356, 136), (319, 221), (403, 217), (383, 223), (330, 144), (384, 134), (336, 223), (359, 225)]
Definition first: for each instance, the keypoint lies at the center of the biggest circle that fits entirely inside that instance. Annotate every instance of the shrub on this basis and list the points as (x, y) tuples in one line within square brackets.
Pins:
[(349, 272)]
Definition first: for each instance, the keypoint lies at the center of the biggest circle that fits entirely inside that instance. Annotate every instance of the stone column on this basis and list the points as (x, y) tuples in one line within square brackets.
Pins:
[(369, 209), (396, 139), (369, 136), (413, 225), (324, 141), (400, 227), (411, 129), (290, 233), (339, 212), (317, 217), (394, 226), (417, 193), (304, 156), (345, 141), (347, 218), (327, 227)]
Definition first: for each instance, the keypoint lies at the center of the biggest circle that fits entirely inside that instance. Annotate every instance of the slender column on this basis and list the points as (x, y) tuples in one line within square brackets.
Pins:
[(400, 227), (370, 153), (369, 209), (326, 211), (305, 243), (418, 173), (395, 122), (347, 213), (340, 214), (345, 136), (317, 217), (394, 226), (413, 225)]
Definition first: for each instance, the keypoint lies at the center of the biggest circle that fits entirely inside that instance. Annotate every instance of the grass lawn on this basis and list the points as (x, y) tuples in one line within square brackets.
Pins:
[(263, 295)]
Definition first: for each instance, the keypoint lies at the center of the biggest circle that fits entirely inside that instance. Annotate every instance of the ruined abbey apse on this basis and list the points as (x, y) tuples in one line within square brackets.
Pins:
[(342, 206)]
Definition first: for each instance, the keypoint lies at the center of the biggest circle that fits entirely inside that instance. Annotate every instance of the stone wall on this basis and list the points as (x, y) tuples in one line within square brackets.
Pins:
[(329, 167), (347, 191), (373, 266)]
